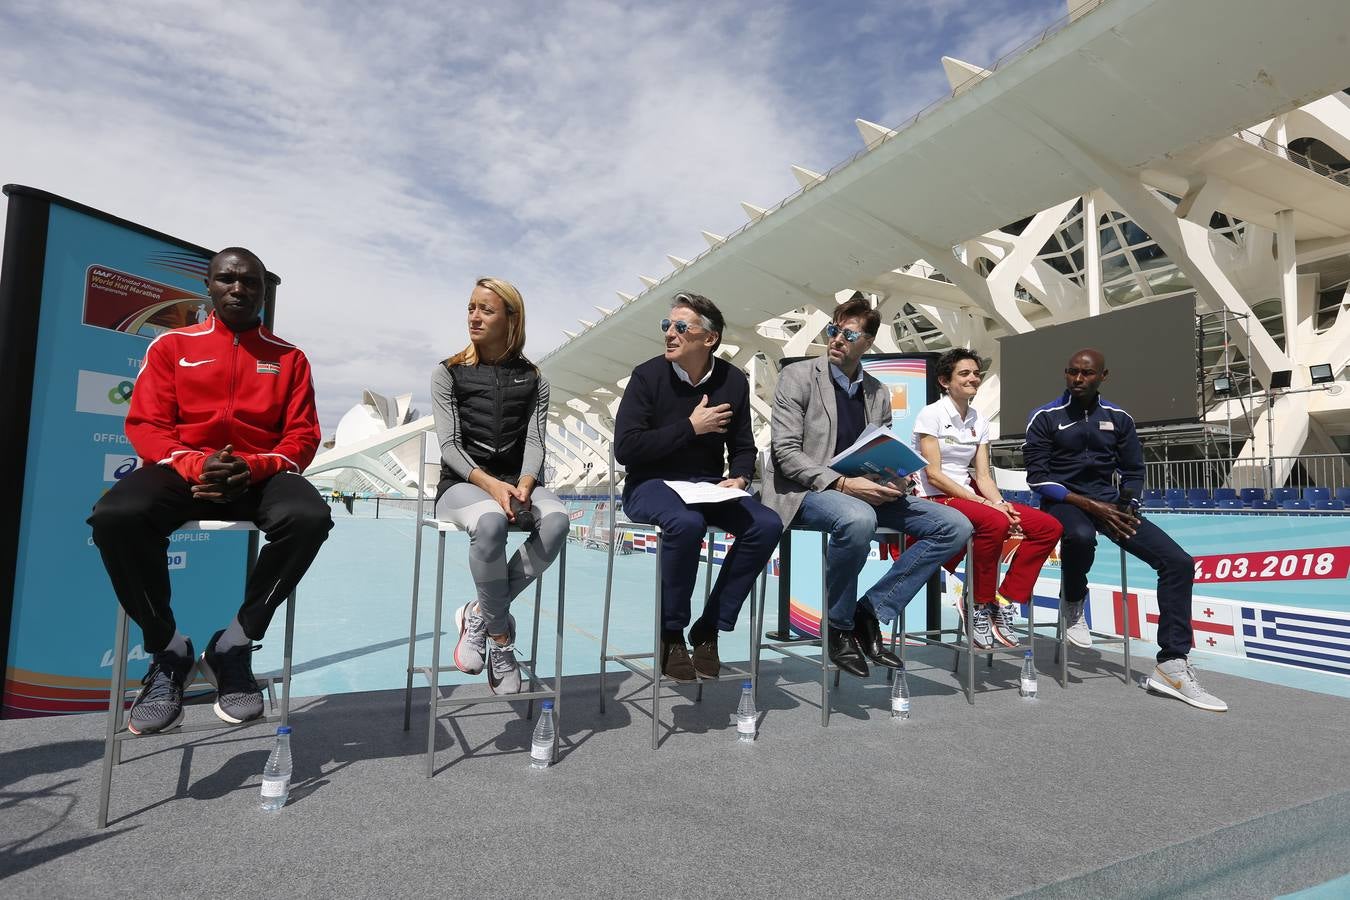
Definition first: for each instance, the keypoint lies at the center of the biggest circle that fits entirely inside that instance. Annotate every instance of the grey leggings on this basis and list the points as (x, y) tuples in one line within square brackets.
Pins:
[(499, 581)]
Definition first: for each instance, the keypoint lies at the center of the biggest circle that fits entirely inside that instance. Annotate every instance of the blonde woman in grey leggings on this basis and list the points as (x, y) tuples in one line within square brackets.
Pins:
[(490, 405)]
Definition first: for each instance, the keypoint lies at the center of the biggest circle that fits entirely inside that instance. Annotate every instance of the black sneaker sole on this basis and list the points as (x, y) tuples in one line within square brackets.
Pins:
[(170, 727)]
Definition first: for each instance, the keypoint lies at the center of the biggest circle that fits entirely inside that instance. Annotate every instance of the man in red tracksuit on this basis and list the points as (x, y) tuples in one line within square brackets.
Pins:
[(223, 416)]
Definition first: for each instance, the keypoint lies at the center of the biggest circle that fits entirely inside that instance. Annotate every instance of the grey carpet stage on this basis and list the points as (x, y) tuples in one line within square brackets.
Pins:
[(1100, 790)]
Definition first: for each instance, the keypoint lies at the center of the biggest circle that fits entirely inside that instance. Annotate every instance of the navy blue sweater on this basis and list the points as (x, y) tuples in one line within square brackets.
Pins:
[(653, 437), (1072, 446)]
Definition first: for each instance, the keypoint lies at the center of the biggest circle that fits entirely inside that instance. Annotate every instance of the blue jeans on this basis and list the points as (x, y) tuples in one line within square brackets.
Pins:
[(938, 532), (755, 526)]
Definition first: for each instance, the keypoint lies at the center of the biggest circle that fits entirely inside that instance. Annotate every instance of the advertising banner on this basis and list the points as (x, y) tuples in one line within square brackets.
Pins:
[(101, 290)]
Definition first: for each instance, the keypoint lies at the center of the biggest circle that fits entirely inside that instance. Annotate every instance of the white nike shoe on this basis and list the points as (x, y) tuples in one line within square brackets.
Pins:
[(1076, 629), (1176, 678)]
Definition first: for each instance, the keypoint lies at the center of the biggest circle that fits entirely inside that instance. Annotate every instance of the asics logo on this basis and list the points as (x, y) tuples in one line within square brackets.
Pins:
[(1070, 425), (183, 361)]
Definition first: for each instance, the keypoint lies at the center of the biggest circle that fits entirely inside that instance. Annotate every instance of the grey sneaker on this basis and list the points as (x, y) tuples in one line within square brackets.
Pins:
[(1002, 621), (238, 697), (981, 628), (1176, 678), (159, 705), (1076, 627), (503, 671), (469, 649)]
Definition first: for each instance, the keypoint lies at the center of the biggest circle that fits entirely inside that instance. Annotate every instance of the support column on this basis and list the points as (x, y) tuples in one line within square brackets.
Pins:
[(1286, 260), (1092, 257)]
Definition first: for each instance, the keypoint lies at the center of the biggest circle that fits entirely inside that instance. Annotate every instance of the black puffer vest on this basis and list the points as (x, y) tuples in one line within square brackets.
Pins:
[(495, 404)]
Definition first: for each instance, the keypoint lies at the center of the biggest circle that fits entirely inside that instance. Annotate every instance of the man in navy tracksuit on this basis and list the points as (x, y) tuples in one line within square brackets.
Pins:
[(1074, 447)]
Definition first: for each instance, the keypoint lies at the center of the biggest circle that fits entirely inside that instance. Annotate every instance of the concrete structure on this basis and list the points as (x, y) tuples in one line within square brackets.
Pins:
[(1199, 148)]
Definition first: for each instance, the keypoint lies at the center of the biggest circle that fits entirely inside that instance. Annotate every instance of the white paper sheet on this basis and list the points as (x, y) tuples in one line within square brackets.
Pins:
[(700, 492)]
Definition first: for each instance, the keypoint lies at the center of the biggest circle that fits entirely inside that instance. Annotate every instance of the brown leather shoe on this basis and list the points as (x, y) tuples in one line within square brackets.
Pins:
[(706, 662), (675, 663)]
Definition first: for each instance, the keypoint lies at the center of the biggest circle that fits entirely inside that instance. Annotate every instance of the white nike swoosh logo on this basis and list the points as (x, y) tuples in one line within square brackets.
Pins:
[(1070, 425), (183, 361), (519, 380)]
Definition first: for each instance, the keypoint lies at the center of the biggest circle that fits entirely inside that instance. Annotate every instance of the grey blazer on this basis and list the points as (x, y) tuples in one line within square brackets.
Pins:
[(804, 431)]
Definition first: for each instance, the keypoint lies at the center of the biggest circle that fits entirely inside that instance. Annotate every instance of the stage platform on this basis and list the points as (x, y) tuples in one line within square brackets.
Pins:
[(1100, 790)]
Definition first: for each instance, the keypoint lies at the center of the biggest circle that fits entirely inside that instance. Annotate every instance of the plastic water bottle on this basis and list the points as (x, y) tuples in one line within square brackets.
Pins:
[(541, 745), (747, 718), (1027, 684), (899, 696), (276, 780)]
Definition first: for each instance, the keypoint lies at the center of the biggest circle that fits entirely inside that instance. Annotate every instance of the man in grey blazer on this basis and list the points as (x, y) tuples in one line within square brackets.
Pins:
[(820, 407)]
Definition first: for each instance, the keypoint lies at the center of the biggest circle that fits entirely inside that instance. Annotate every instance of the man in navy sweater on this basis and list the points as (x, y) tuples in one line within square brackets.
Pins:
[(1074, 446), (685, 416)]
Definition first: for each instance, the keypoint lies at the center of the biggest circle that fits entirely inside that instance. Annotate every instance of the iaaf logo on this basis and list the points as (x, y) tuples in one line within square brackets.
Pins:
[(117, 466), (135, 654)]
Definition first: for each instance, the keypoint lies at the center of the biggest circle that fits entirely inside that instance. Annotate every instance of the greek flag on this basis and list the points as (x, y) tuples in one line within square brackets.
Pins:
[(1313, 640)]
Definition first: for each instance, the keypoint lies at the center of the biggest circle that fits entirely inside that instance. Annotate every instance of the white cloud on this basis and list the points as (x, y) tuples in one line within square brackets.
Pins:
[(382, 158)]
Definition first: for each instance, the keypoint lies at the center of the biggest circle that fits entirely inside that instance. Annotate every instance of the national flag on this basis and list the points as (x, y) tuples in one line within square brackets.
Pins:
[(1313, 640), (268, 368), (1211, 625)]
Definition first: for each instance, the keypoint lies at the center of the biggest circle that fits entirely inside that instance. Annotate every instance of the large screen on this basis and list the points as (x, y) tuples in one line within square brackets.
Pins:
[(1150, 354)]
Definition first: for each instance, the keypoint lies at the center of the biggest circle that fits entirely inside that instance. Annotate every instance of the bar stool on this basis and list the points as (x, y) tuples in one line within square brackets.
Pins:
[(967, 649), (119, 695), (785, 647), (539, 689), (1062, 644), (653, 674)]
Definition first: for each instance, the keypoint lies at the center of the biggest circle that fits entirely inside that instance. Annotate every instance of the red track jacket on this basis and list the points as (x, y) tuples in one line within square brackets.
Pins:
[(204, 386)]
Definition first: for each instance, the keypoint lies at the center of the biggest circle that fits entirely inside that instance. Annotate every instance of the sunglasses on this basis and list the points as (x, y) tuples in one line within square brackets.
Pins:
[(681, 326), (833, 330)]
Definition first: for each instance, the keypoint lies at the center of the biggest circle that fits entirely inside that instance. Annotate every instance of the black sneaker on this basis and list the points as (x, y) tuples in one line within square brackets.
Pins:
[(159, 705), (238, 697)]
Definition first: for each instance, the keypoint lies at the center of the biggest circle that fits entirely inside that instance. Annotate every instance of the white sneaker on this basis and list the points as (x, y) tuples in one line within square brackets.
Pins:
[(1075, 620), (1176, 678)]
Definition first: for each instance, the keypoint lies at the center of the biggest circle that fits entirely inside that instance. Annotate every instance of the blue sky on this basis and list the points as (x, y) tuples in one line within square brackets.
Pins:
[(380, 157)]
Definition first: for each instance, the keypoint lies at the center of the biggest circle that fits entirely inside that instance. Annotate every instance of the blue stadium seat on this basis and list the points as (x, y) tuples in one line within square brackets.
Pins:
[(1155, 503), (1329, 504), (1177, 502), (1201, 503), (1230, 503), (1281, 494), (1293, 503), (1174, 494), (1314, 494), (1264, 504), (1250, 496), (1153, 493), (1195, 494), (1225, 494), (1343, 495)]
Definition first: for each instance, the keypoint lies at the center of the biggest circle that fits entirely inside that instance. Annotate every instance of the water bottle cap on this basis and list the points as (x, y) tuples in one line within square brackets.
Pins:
[(284, 729), (548, 704), (747, 685)]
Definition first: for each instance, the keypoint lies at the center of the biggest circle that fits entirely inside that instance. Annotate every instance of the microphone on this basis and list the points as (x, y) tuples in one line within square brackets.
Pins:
[(1128, 503), (524, 517)]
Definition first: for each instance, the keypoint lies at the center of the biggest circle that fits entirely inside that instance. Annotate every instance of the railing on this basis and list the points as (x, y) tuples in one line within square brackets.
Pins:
[(1326, 171), (1328, 470)]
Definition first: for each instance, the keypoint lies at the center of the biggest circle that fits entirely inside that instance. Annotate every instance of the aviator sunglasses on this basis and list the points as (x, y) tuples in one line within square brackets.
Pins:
[(833, 330), (681, 326)]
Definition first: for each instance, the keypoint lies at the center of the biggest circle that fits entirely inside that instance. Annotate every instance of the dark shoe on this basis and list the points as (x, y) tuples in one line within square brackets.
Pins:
[(159, 705), (238, 697), (867, 631), (845, 654), (706, 662), (675, 663)]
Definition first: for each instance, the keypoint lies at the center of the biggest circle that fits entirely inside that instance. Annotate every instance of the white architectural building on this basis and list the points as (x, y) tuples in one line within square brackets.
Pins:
[(1139, 149)]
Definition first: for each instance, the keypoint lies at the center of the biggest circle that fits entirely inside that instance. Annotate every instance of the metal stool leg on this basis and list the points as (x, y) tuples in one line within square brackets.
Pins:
[(604, 622), (1125, 614), (287, 654), (117, 689), (656, 652), (1061, 645), (412, 627), (534, 643), (824, 632), (970, 622), (558, 649), (707, 594), (434, 680)]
